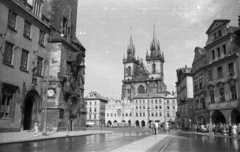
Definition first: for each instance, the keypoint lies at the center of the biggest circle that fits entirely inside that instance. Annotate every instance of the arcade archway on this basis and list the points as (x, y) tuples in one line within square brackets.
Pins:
[(235, 116), (109, 122), (137, 123), (143, 123), (218, 117), (31, 109)]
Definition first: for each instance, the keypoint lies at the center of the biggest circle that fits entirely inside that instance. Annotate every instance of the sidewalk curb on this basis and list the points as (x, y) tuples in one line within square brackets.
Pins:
[(50, 138), (159, 146), (211, 135)]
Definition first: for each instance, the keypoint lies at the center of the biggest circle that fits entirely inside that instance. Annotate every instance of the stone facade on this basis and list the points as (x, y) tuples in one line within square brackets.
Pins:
[(23, 44), (66, 68)]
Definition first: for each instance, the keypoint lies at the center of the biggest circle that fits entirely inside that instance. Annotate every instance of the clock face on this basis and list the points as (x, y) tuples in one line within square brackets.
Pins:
[(50, 92)]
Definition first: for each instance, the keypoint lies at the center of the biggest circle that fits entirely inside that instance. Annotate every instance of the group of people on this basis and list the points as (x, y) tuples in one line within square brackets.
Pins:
[(156, 126), (222, 128), (231, 129)]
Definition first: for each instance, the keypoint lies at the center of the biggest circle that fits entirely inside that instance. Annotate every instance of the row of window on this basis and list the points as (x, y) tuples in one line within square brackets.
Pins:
[(156, 107), (140, 114), (218, 53), (9, 55), (27, 28), (152, 101), (233, 91), (91, 103)]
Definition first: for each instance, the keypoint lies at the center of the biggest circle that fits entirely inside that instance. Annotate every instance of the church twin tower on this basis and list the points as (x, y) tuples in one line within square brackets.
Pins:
[(140, 81)]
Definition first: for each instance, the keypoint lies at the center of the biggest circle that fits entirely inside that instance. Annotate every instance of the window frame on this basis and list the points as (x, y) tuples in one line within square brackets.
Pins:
[(37, 68), (41, 38), (10, 62), (21, 63), (12, 19), (220, 72), (27, 29)]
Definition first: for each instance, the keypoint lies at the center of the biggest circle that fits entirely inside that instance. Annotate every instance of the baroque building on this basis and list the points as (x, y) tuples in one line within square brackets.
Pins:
[(222, 73), (143, 88), (24, 31), (96, 108), (185, 101)]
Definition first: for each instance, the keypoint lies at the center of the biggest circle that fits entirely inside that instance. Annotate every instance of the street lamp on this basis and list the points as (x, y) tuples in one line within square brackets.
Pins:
[(148, 108), (48, 92)]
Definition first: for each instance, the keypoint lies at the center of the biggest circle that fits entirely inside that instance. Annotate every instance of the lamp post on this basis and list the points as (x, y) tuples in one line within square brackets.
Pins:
[(47, 93), (148, 108)]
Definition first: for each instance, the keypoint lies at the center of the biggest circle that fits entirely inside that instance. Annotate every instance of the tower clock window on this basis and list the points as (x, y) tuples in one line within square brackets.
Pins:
[(129, 71), (153, 68)]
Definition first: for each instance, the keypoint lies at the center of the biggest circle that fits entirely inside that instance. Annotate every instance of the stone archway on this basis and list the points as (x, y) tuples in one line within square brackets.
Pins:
[(137, 123), (218, 117), (31, 109), (109, 122), (143, 123), (235, 116)]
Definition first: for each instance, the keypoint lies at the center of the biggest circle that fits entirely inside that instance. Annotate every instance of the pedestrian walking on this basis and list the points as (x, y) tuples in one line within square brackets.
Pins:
[(36, 129), (156, 127), (230, 130), (153, 128), (238, 128), (234, 130)]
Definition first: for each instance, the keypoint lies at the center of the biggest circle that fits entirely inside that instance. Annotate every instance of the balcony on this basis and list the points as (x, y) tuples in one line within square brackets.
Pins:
[(223, 105)]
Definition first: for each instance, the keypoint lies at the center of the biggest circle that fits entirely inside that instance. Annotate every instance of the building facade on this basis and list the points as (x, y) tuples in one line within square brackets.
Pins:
[(201, 115), (185, 102), (96, 108), (144, 90), (24, 31), (222, 73), (41, 60)]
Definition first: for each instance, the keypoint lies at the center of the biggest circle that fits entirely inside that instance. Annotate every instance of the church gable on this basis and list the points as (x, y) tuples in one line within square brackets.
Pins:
[(216, 24)]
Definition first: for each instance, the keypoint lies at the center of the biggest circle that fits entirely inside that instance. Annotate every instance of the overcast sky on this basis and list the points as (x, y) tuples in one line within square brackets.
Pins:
[(104, 28)]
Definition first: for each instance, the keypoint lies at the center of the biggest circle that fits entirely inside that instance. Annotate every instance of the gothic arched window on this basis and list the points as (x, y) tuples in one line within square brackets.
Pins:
[(141, 89), (154, 68)]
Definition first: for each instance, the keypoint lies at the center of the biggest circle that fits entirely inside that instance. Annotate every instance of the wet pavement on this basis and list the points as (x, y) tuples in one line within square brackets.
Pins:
[(202, 143), (98, 142)]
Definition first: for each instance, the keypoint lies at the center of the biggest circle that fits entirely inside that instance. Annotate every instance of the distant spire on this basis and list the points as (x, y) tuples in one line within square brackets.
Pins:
[(123, 55), (163, 56)]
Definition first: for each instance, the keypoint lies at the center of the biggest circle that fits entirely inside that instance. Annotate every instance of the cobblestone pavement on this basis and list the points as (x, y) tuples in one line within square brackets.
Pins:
[(13, 137)]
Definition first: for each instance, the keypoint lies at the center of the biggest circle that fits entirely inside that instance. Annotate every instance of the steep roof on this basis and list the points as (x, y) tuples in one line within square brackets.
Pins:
[(96, 95)]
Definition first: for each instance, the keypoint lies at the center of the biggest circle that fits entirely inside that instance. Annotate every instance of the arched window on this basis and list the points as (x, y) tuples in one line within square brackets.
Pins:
[(141, 89), (136, 107), (129, 71), (153, 68)]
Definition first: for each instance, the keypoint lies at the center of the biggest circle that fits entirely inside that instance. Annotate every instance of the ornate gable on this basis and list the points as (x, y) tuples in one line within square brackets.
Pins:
[(216, 24), (199, 52)]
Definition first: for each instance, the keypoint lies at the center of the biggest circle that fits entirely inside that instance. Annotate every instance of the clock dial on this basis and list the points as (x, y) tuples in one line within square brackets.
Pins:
[(51, 92)]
